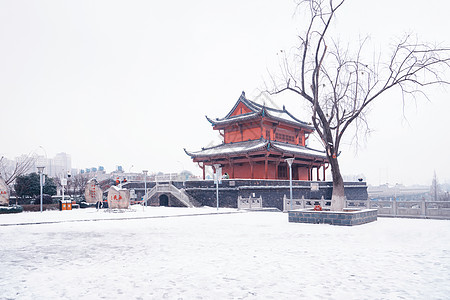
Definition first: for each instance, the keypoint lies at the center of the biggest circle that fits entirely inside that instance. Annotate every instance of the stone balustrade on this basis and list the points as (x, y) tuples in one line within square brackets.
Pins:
[(249, 203), (415, 209)]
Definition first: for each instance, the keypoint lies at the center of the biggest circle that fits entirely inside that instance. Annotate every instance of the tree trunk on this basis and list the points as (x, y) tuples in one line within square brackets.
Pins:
[(338, 197)]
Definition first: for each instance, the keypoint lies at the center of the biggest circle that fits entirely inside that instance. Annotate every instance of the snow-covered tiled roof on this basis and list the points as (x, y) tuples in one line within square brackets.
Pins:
[(243, 117), (259, 110), (256, 145), (295, 149), (230, 148)]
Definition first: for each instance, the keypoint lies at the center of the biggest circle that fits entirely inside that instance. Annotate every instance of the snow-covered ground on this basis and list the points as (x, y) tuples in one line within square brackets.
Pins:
[(256, 255)]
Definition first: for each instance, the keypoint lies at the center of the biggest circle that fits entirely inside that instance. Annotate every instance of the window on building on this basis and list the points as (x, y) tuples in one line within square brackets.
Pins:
[(282, 172), (268, 134), (284, 137)]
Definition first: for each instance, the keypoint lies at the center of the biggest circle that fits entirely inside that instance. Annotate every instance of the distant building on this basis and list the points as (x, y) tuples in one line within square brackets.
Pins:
[(54, 167), (257, 140), (399, 192), (62, 163)]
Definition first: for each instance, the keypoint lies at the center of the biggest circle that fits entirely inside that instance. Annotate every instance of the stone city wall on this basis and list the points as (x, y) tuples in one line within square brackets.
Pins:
[(271, 191)]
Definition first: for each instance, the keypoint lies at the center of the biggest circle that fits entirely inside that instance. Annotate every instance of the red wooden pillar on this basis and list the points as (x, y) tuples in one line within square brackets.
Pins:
[(277, 163), (230, 162), (265, 168), (251, 166), (318, 178), (203, 169), (323, 167)]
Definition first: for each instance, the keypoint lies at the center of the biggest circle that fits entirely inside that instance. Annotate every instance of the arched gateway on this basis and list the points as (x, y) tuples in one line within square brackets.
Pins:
[(159, 195), (163, 200)]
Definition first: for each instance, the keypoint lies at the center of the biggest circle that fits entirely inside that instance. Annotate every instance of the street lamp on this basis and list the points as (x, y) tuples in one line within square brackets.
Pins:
[(290, 161), (145, 185), (218, 175), (40, 171), (63, 184)]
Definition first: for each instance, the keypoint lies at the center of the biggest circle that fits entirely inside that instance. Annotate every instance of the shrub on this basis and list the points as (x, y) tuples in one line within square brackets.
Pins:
[(11, 209)]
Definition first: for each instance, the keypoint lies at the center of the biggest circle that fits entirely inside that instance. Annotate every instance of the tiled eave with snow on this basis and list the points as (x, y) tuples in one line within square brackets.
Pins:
[(297, 150), (258, 111), (233, 119), (230, 149), (257, 147)]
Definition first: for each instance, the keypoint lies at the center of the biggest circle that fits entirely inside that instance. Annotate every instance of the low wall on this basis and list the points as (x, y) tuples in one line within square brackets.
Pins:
[(37, 207), (344, 218)]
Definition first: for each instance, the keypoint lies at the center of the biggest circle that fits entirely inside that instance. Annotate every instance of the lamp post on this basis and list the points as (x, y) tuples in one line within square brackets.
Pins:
[(63, 184), (40, 171), (290, 161), (145, 186), (218, 174)]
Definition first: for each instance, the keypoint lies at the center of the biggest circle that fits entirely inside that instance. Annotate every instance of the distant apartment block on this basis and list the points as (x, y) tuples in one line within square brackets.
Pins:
[(54, 167)]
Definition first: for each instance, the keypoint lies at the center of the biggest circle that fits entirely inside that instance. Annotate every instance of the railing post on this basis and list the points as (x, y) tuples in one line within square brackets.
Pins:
[(424, 208), (394, 206), (303, 202)]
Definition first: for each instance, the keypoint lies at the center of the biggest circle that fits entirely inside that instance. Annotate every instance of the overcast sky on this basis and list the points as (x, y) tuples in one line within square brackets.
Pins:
[(129, 82)]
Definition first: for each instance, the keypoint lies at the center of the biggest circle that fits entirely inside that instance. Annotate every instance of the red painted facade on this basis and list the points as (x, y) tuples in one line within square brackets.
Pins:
[(257, 142)]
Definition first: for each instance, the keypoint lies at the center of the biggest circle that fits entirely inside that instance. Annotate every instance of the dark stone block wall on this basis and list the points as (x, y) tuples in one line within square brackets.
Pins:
[(271, 191), (333, 218), (207, 197)]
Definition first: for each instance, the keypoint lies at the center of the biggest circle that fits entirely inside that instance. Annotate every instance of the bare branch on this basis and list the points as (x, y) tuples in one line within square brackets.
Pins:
[(341, 84), (10, 170)]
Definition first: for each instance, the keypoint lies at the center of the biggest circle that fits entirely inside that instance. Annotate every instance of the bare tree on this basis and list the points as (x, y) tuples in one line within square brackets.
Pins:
[(340, 84), (71, 186), (57, 181), (435, 188), (79, 183), (9, 171)]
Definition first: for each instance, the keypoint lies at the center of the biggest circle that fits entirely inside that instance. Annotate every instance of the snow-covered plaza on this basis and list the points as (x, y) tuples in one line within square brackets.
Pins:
[(183, 253)]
